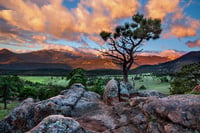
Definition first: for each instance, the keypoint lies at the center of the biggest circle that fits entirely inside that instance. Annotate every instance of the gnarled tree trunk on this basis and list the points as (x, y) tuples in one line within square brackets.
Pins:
[(125, 74)]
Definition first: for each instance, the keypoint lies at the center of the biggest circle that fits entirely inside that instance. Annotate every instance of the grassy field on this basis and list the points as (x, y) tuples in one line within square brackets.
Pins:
[(5, 112), (149, 81), (47, 80), (153, 83)]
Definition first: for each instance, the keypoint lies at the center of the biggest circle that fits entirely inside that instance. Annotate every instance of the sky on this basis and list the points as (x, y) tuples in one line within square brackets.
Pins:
[(74, 25)]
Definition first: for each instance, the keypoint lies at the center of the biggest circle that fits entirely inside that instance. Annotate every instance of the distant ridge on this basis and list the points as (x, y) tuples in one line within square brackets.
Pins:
[(170, 66)]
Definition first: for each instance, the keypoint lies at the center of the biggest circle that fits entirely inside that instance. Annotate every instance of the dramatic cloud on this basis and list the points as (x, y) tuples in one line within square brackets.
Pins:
[(50, 16), (193, 44), (160, 9), (184, 28), (97, 39), (25, 15), (33, 23), (179, 25)]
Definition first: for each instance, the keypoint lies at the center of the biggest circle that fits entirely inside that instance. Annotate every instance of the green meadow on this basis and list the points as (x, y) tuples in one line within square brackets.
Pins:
[(11, 106), (54, 80), (149, 81)]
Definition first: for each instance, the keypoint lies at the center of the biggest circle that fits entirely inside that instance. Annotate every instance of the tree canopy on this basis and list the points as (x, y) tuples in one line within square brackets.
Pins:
[(77, 76), (9, 87), (186, 79)]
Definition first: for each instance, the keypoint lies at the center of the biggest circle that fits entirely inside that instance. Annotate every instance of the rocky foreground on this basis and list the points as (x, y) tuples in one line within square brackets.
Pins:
[(79, 111)]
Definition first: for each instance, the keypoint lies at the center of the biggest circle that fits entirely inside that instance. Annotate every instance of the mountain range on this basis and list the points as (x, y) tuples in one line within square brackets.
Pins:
[(66, 60), (52, 59)]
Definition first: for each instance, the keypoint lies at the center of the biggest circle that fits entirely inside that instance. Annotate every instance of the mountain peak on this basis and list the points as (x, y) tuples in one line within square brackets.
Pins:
[(5, 51)]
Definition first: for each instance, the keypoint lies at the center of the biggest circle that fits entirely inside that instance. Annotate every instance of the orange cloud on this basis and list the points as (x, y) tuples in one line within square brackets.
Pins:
[(193, 44), (96, 39), (121, 8), (53, 18), (40, 38), (184, 30), (159, 9), (25, 15)]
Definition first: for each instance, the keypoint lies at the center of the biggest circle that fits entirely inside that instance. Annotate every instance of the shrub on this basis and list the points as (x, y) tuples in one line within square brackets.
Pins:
[(186, 79), (77, 76), (164, 79), (52, 90), (142, 87), (98, 87), (28, 91), (9, 88), (137, 78)]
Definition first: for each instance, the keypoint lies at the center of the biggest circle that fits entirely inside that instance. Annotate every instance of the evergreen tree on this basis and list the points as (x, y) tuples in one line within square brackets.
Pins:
[(9, 87), (123, 44)]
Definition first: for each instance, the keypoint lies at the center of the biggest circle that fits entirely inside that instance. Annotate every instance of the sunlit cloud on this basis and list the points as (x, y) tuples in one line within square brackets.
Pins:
[(96, 38), (185, 28), (40, 38), (29, 23), (160, 9), (51, 17), (180, 26), (193, 44), (25, 15)]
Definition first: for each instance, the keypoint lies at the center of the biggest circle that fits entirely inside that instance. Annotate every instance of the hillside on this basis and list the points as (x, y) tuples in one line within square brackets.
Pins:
[(170, 66)]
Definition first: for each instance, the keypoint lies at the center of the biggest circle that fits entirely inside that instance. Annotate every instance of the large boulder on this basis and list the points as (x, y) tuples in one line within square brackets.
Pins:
[(150, 93), (58, 124), (196, 89), (111, 93), (126, 90), (115, 92), (20, 119), (73, 102), (183, 110)]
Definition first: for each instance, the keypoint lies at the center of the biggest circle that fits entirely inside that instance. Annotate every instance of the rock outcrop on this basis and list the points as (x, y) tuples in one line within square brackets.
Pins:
[(118, 92), (111, 93), (196, 89), (58, 124), (150, 93), (79, 111), (73, 103)]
